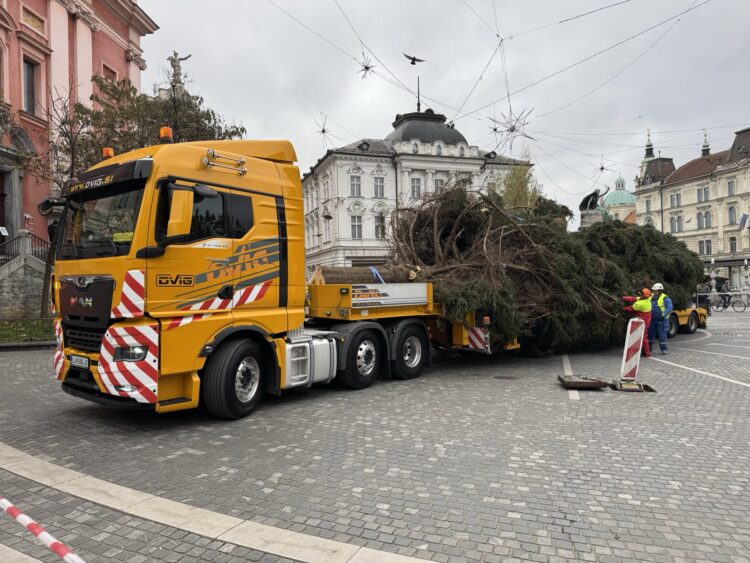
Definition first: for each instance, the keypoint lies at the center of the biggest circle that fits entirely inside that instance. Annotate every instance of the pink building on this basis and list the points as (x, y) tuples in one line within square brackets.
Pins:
[(50, 49)]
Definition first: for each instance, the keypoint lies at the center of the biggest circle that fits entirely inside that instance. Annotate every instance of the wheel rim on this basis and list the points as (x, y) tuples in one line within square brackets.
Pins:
[(366, 356), (247, 379), (412, 351), (693, 323)]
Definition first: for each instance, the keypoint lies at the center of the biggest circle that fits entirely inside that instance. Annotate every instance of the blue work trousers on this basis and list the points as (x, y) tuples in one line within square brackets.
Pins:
[(658, 328)]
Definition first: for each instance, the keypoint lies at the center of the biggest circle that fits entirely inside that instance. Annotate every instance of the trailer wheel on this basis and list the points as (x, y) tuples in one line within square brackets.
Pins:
[(412, 351), (693, 322), (232, 380), (673, 326), (364, 361)]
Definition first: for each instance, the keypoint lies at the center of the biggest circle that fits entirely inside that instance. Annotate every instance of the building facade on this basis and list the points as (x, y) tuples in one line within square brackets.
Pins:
[(350, 193), (706, 203), (49, 50)]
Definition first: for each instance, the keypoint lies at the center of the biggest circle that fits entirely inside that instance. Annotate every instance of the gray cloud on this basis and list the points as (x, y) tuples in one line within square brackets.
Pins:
[(693, 78)]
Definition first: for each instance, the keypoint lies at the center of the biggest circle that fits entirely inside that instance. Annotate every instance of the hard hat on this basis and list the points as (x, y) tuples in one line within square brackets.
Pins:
[(657, 287), (646, 292)]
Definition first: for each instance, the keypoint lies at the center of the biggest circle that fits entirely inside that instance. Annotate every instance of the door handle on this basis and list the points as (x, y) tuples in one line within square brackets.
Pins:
[(226, 292), (222, 261)]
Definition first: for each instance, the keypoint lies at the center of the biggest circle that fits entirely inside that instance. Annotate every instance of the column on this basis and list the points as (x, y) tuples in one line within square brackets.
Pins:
[(84, 62), (430, 186)]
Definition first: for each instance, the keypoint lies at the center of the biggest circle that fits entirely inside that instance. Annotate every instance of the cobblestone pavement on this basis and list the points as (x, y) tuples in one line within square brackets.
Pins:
[(482, 459)]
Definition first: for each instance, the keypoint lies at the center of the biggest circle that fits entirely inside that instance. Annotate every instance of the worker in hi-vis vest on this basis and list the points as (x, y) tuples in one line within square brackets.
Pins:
[(661, 308)]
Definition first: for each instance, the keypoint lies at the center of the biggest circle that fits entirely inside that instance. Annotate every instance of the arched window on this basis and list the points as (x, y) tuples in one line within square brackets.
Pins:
[(679, 224), (461, 151), (732, 213), (707, 219), (649, 221), (439, 150), (701, 223), (415, 148), (673, 224)]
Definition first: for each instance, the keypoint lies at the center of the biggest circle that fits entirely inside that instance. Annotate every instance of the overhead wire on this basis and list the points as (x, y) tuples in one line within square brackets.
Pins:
[(566, 20), (618, 73), (589, 57), (300, 82)]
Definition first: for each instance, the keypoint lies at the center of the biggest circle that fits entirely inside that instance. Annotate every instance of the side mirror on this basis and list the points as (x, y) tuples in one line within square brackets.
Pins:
[(48, 205), (180, 213)]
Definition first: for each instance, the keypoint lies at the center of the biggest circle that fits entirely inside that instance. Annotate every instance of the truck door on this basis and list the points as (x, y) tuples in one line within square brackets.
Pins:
[(254, 227), (190, 286)]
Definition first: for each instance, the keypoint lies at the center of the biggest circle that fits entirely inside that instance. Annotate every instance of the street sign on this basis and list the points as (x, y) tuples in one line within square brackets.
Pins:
[(631, 356)]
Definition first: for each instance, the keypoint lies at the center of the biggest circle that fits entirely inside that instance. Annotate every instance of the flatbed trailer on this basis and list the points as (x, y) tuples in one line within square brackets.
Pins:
[(687, 320)]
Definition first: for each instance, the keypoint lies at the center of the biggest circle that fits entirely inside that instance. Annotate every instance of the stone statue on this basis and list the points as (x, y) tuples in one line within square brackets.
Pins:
[(591, 201), (176, 63)]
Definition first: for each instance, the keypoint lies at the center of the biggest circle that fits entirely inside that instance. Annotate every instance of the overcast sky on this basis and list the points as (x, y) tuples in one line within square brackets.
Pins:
[(256, 66)]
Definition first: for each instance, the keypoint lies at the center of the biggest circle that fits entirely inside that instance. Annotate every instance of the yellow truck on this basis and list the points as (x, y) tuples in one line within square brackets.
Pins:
[(687, 320), (180, 278)]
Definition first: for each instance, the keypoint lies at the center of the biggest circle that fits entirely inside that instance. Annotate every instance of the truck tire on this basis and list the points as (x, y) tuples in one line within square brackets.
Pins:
[(232, 380), (693, 322), (673, 327), (364, 361), (412, 353)]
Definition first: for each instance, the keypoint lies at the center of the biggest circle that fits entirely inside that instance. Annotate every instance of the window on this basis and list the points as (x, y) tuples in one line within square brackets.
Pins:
[(701, 247), (707, 219), (732, 244), (109, 73), (379, 187), (439, 184), (701, 223), (355, 186), (675, 200), (208, 218), (416, 188), (732, 215), (731, 187), (30, 69), (649, 221), (673, 224), (239, 214), (706, 195), (380, 226), (461, 151), (708, 246), (415, 148), (439, 150), (699, 195), (648, 206), (357, 226), (679, 224)]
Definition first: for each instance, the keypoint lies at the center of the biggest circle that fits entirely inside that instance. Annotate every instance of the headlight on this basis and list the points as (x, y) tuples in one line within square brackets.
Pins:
[(130, 353)]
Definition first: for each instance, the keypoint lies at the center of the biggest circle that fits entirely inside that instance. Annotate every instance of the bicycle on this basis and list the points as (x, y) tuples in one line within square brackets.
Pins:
[(738, 306)]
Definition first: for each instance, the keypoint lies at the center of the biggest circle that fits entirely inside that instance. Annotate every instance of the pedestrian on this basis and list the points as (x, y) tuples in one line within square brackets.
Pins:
[(726, 293), (661, 308), (641, 307)]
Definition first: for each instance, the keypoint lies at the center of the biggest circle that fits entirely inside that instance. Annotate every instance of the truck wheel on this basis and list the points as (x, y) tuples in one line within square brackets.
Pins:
[(674, 326), (232, 380), (412, 351), (364, 361), (693, 322)]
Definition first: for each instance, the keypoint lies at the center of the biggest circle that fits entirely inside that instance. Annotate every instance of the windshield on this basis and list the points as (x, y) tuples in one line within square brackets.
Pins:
[(100, 223)]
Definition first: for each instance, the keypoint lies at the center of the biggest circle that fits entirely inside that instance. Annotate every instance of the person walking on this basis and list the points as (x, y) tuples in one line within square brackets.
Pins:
[(661, 308), (641, 307)]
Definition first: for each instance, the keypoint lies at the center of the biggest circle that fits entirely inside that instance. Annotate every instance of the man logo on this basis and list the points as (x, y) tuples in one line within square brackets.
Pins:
[(177, 280), (81, 302)]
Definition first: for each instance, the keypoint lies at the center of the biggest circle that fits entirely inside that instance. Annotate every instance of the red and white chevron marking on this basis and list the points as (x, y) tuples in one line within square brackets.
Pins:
[(58, 360), (241, 297), (631, 356), (132, 296), (478, 338), (140, 378), (45, 537)]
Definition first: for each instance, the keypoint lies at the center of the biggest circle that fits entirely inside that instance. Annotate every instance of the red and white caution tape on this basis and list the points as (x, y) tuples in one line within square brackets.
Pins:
[(59, 548)]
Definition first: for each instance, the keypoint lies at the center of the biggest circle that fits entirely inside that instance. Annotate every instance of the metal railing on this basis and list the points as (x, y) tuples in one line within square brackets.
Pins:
[(24, 242), (721, 301)]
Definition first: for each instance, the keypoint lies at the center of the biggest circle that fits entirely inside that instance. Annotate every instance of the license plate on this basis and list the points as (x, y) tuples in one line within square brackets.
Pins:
[(79, 362)]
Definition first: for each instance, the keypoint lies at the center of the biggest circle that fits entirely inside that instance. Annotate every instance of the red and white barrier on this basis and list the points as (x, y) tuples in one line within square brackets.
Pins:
[(631, 356), (59, 548)]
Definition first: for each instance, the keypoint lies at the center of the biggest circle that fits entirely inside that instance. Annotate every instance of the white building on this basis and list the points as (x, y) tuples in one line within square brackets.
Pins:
[(350, 192), (705, 203)]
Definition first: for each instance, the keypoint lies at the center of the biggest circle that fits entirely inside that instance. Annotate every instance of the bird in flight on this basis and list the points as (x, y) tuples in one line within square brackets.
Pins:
[(414, 60)]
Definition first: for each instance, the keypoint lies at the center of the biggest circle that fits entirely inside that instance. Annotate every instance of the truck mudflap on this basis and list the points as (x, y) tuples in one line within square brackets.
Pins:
[(479, 339), (127, 378)]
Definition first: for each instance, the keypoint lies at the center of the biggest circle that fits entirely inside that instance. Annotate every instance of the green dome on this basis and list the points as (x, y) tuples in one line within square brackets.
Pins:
[(619, 197)]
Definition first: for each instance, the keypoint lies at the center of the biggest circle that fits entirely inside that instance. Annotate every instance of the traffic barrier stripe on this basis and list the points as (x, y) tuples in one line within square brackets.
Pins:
[(132, 296), (43, 536)]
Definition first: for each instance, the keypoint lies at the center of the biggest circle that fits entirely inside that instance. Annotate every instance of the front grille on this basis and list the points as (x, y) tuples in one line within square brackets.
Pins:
[(87, 339)]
